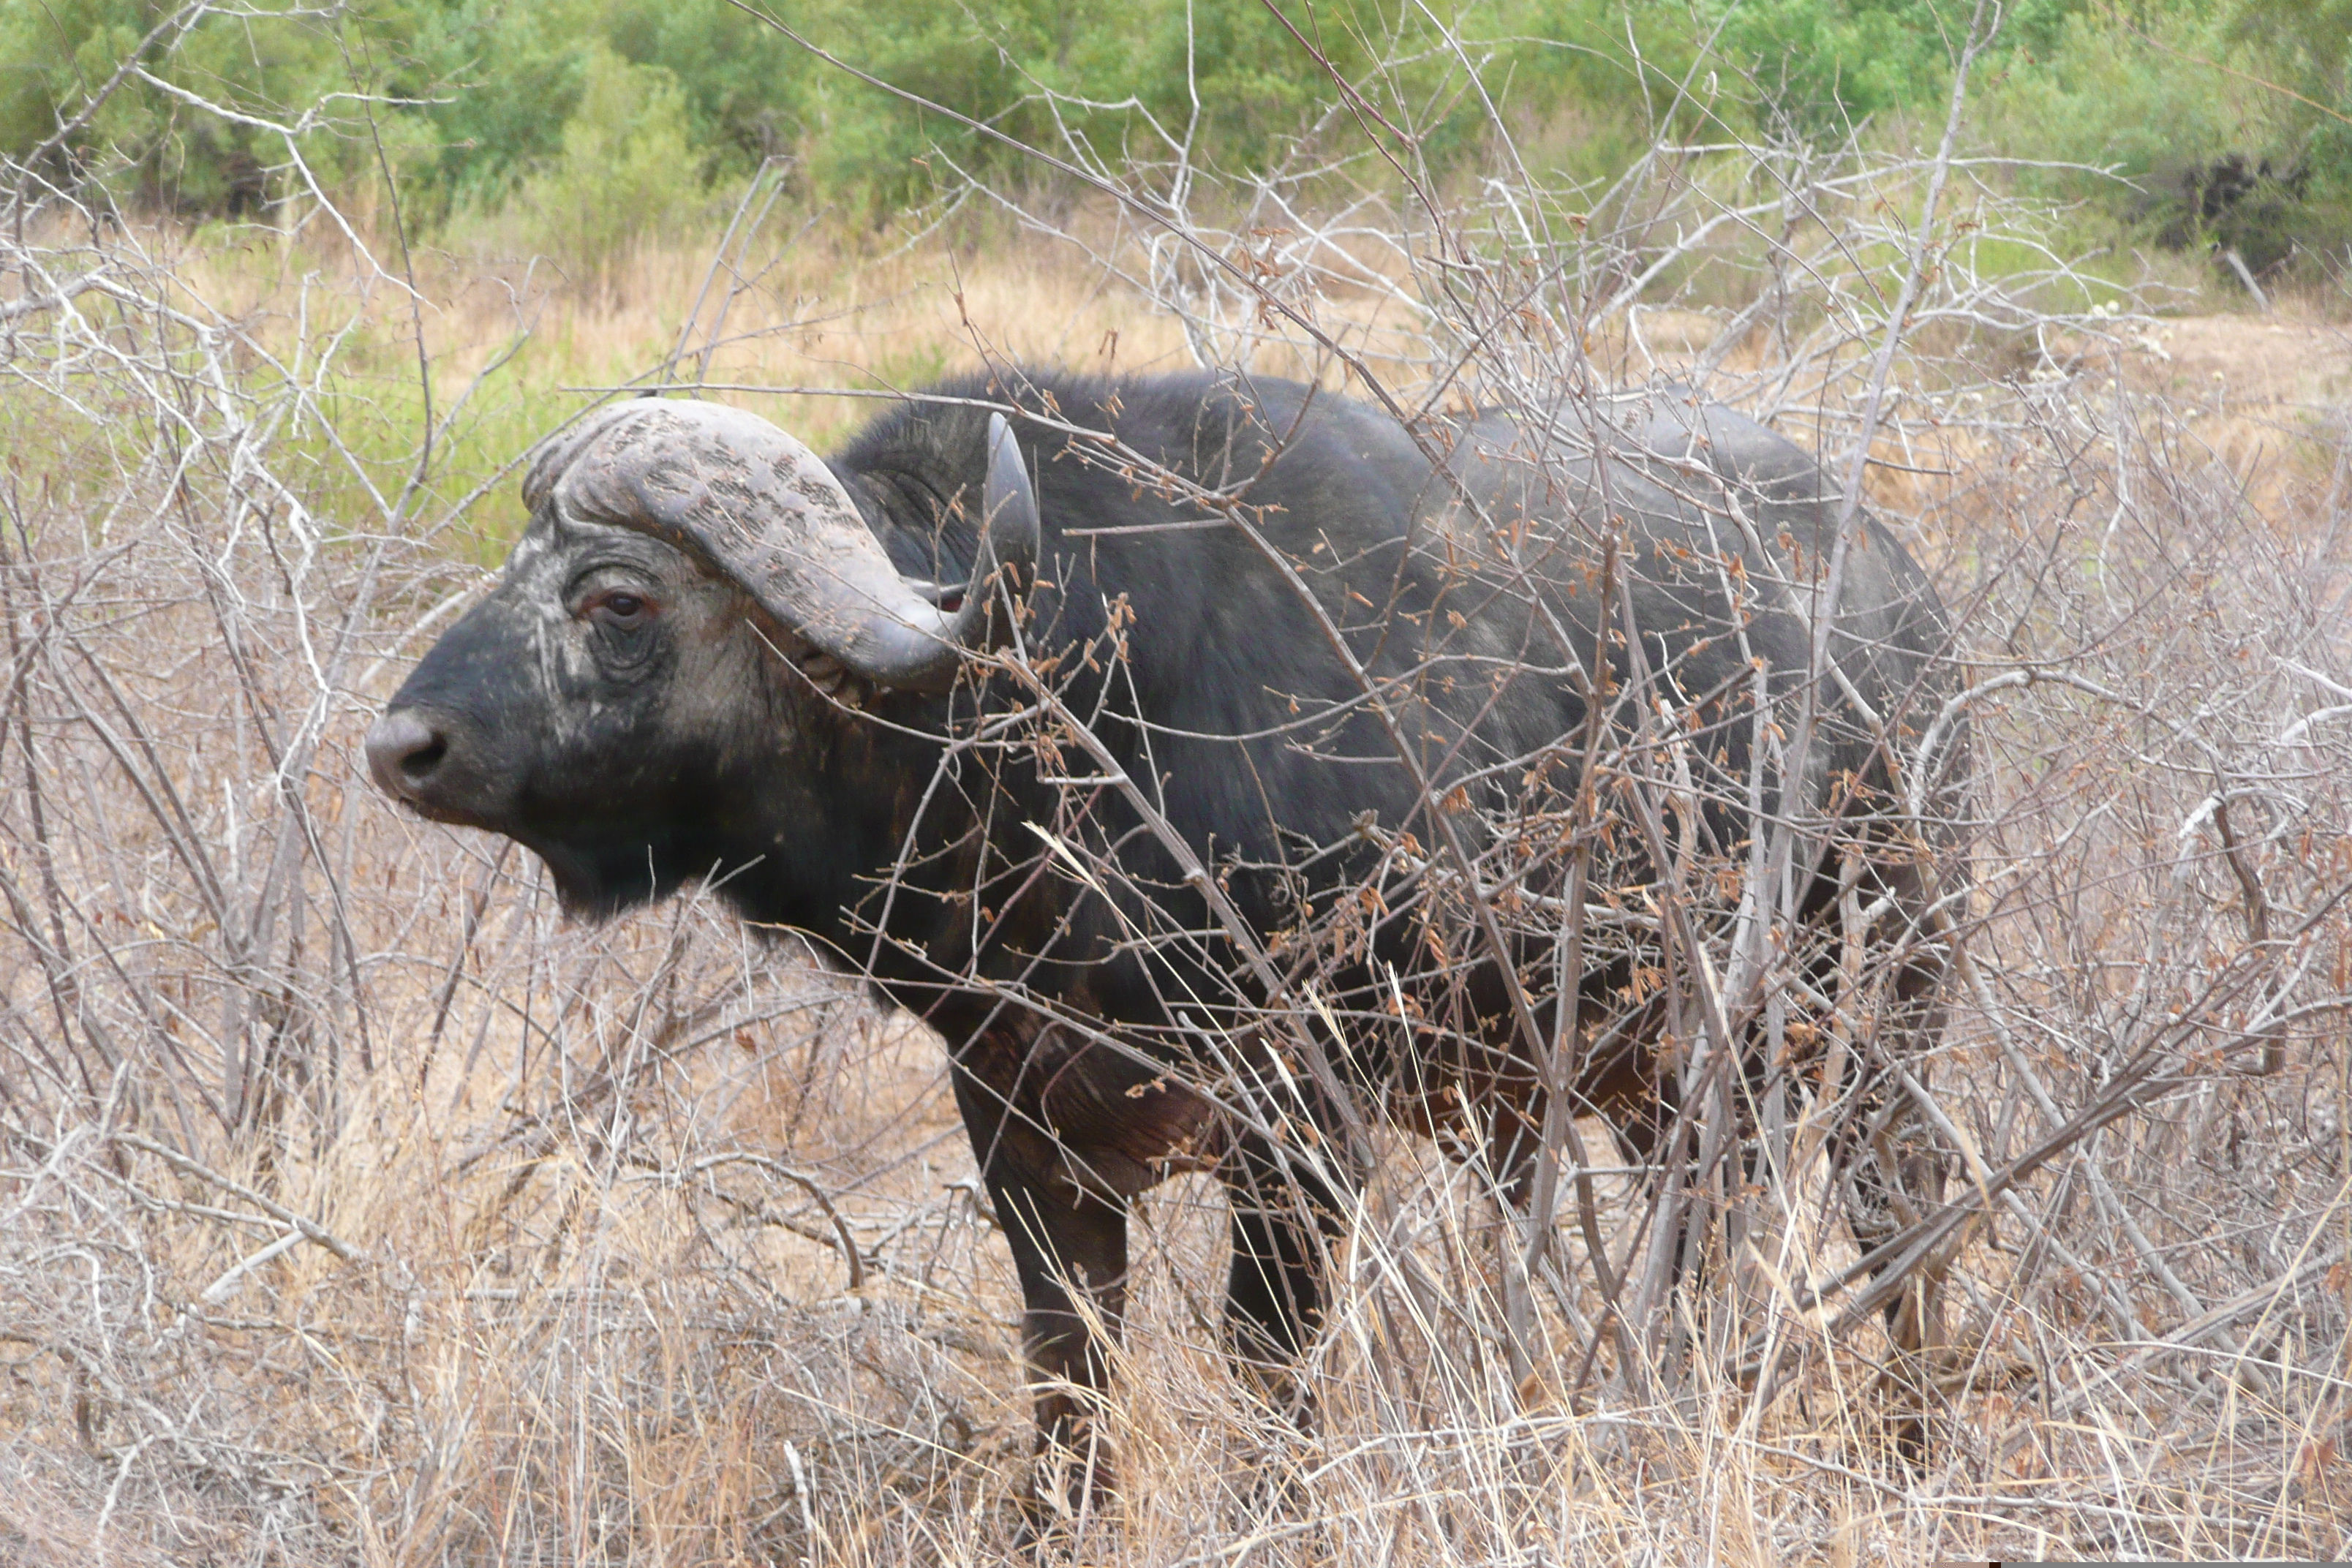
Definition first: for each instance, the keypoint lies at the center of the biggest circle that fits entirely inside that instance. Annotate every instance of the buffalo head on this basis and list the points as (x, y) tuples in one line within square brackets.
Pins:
[(694, 587)]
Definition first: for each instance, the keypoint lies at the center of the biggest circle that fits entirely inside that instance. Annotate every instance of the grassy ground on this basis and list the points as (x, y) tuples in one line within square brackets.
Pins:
[(567, 1290)]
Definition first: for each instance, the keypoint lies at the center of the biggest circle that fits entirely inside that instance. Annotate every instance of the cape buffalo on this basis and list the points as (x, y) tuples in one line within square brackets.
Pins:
[(1145, 742)]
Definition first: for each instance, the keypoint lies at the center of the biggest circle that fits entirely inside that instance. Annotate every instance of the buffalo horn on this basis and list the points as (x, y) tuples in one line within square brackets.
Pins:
[(731, 488)]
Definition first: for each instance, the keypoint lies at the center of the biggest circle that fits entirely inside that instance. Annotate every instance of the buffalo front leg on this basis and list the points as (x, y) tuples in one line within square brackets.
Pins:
[(1286, 1213), (1069, 1250), (1069, 1253)]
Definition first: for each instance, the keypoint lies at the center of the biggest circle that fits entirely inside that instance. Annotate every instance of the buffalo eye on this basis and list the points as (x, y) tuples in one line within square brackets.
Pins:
[(619, 609)]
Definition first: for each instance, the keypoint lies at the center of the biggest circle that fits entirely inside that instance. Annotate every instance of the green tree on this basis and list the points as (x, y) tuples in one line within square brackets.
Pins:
[(1821, 66), (742, 80), (627, 167), (181, 156), (2309, 45)]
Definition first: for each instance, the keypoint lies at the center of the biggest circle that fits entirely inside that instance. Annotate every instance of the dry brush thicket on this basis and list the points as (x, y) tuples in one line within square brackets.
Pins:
[(357, 1207)]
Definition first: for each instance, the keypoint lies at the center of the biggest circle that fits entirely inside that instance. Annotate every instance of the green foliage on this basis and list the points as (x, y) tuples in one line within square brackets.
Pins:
[(506, 80), (2184, 103), (581, 125), (483, 94), (1231, 80), (186, 157), (864, 143), (1820, 67), (2112, 96), (2311, 37), (487, 91), (742, 80), (2309, 44), (495, 85), (627, 166)]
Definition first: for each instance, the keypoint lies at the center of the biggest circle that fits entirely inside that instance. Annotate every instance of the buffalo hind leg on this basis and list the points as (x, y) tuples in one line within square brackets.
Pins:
[(1891, 1171), (1887, 1162)]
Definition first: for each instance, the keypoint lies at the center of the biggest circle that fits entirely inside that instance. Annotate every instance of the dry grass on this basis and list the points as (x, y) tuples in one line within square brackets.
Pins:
[(562, 1287)]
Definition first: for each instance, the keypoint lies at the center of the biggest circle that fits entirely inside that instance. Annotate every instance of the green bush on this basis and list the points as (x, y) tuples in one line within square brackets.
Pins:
[(177, 155), (627, 167), (580, 124), (507, 79), (2308, 43), (1821, 67), (487, 89), (2184, 104)]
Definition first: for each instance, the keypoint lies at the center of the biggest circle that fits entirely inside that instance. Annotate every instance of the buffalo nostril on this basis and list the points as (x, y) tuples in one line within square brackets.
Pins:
[(424, 759), (404, 749)]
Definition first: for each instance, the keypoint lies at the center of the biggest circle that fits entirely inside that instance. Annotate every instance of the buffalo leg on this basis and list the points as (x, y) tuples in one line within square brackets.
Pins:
[(1890, 1176), (1891, 1171), (1069, 1250), (1285, 1215), (1069, 1253)]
